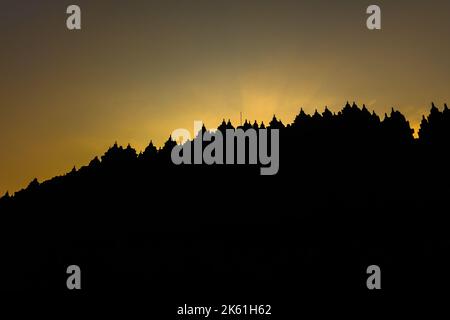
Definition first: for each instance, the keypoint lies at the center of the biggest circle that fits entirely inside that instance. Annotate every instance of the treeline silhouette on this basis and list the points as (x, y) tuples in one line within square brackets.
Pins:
[(352, 190)]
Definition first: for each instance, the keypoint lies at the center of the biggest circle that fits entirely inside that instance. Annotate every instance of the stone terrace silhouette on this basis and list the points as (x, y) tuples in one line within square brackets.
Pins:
[(352, 190)]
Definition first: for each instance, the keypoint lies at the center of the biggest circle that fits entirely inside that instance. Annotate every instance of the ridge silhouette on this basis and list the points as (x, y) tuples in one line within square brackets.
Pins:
[(352, 190)]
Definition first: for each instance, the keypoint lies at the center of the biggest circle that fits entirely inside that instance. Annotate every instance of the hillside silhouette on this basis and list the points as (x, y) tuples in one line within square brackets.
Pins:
[(352, 190)]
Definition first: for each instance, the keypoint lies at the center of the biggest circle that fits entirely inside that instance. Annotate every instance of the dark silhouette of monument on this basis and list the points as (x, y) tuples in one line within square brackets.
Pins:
[(352, 190)]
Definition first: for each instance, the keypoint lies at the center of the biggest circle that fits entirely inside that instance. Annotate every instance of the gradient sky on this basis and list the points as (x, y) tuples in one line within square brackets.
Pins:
[(139, 69)]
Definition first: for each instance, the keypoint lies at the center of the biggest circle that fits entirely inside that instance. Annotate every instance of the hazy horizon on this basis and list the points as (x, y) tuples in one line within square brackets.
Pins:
[(139, 69)]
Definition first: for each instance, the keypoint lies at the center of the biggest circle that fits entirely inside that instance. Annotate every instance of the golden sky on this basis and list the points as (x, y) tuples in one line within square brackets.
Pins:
[(139, 69)]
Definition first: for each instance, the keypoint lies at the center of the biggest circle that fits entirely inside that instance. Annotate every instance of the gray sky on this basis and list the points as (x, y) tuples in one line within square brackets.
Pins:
[(139, 69)]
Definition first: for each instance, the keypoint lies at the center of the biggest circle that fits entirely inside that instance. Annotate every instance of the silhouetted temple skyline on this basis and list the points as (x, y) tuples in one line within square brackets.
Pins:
[(306, 128), (352, 190)]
